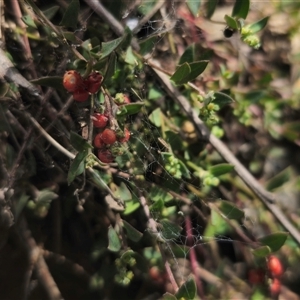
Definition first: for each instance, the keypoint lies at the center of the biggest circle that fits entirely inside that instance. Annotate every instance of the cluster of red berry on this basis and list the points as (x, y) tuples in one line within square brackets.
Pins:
[(105, 139), (82, 88), (275, 271)]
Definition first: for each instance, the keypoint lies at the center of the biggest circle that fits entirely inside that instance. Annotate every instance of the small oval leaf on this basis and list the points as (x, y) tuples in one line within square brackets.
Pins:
[(77, 166), (211, 7), (132, 233), (222, 99), (262, 251), (220, 169), (168, 296), (169, 230), (241, 9), (258, 26), (78, 142), (181, 73), (114, 243), (188, 290), (275, 240), (71, 15), (194, 6), (50, 81), (231, 211), (231, 22)]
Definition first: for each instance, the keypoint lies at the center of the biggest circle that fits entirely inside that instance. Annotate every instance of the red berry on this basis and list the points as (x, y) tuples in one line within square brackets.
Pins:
[(126, 136), (98, 143), (80, 95), (121, 99), (256, 276), (108, 136), (99, 120), (275, 287), (126, 99), (72, 81), (93, 82), (275, 266), (105, 156)]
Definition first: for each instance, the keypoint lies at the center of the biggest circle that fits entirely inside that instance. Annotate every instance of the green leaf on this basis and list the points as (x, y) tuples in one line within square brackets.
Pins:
[(188, 55), (78, 142), (154, 93), (188, 290), (231, 211), (189, 71), (114, 243), (168, 296), (51, 12), (261, 251), (71, 15), (216, 226), (77, 166), (50, 81), (110, 68), (258, 26), (222, 99), (130, 109), (46, 196), (169, 230), (20, 204), (123, 192), (184, 170), (130, 57), (28, 21), (181, 73), (155, 117), (147, 45), (108, 47), (131, 206), (275, 241), (231, 22), (194, 6), (197, 68), (241, 9), (194, 53), (157, 206), (157, 193), (133, 234), (71, 37), (211, 7), (220, 169)]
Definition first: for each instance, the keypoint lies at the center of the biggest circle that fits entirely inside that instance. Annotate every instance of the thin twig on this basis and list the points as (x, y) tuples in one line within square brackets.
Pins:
[(148, 16), (50, 139), (44, 276), (193, 258), (152, 226)]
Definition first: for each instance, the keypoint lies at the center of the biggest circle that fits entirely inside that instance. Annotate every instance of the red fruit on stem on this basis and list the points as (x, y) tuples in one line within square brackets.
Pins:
[(108, 136), (256, 276), (72, 81), (105, 156), (275, 287), (93, 82), (80, 95), (99, 120), (126, 99), (275, 266), (98, 143), (126, 136)]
